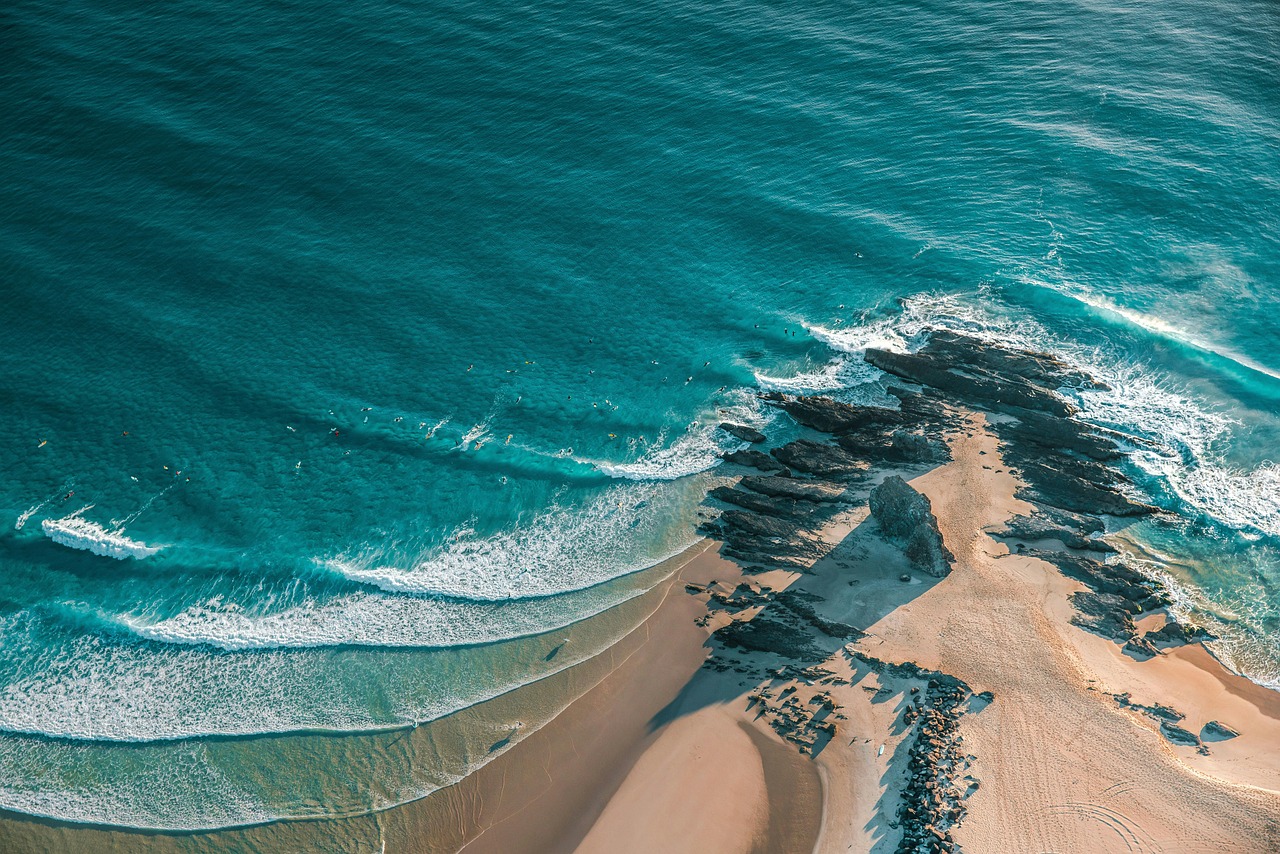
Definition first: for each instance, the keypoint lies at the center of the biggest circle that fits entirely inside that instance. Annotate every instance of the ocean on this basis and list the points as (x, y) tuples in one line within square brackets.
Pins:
[(361, 362)]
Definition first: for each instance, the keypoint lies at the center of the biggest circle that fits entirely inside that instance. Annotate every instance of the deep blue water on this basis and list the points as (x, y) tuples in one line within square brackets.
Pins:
[(360, 341)]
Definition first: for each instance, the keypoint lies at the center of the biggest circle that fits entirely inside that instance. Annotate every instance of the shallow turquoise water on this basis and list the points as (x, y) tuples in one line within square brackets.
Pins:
[(371, 338)]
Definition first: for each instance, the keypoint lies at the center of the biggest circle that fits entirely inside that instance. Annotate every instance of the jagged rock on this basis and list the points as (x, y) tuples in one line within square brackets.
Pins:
[(832, 416), (1176, 633), (894, 446), (1141, 646), (1155, 711), (790, 487), (765, 504), (1105, 614), (1048, 432), (1051, 523), (760, 526), (754, 459), (1057, 480), (977, 385), (768, 635), (743, 432), (1219, 731), (820, 459), (795, 602), (907, 516), (1178, 735), (1118, 578), (1042, 369)]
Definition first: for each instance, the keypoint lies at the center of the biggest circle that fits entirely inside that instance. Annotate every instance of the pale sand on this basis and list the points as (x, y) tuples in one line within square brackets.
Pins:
[(1061, 767), (662, 756)]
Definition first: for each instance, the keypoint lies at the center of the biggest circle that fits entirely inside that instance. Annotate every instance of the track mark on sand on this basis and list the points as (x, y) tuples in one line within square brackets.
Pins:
[(1126, 829)]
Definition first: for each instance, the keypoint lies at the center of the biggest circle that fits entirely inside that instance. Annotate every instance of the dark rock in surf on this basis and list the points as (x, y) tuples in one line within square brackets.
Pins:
[(980, 386), (743, 432), (753, 459), (832, 416)]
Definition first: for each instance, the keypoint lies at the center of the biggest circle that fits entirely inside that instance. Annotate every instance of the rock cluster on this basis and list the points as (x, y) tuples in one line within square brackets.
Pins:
[(907, 516), (932, 799), (809, 725)]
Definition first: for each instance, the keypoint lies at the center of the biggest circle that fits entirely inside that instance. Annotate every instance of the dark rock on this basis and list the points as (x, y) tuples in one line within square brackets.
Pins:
[(832, 416), (788, 487), (1106, 614), (760, 526), (752, 458), (1052, 433), (1140, 646), (1178, 735), (980, 386), (795, 602), (1075, 485), (768, 505), (768, 635), (1051, 523), (1118, 578), (900, 445), (907, 516), (820, 459), (743, 432), (1174, 633), (1041, 369)]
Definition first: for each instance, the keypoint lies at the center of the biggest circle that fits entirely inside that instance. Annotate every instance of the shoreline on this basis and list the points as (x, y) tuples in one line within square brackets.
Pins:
[(931, 653)]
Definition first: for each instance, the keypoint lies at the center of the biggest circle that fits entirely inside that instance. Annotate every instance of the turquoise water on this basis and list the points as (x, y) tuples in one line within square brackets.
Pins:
[(349, 348)]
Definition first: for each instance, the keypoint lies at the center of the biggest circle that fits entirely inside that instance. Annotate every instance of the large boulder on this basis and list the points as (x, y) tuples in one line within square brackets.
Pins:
[(907, 516)]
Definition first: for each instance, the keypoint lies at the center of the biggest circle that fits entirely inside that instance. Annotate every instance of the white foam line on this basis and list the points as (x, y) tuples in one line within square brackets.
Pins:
[(76, 532)]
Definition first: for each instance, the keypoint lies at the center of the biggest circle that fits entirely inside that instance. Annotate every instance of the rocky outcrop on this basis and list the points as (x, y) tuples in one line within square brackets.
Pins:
[(1104, 614), (899, 445), (1178, 735), (832, 416), (1174, 633), (743, 432), (1058, 455), (753, 459), (974, 354), (793, 487), (820, 459), (907, 516), (1046, 432), (969, 383), (1073, 530), (1117, 577)]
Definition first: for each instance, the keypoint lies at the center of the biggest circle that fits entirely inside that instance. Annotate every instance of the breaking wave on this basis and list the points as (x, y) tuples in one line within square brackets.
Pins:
[(76, 532)]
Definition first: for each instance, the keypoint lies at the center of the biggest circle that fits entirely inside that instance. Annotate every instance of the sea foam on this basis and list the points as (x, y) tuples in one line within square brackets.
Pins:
[(76, 532), (565, 549)]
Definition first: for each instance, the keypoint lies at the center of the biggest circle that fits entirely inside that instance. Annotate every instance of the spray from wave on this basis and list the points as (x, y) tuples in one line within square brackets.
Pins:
[(77, 532)]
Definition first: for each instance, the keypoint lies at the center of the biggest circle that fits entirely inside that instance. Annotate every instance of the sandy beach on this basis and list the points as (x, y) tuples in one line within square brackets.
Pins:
[(665, 755), (710, 728)]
